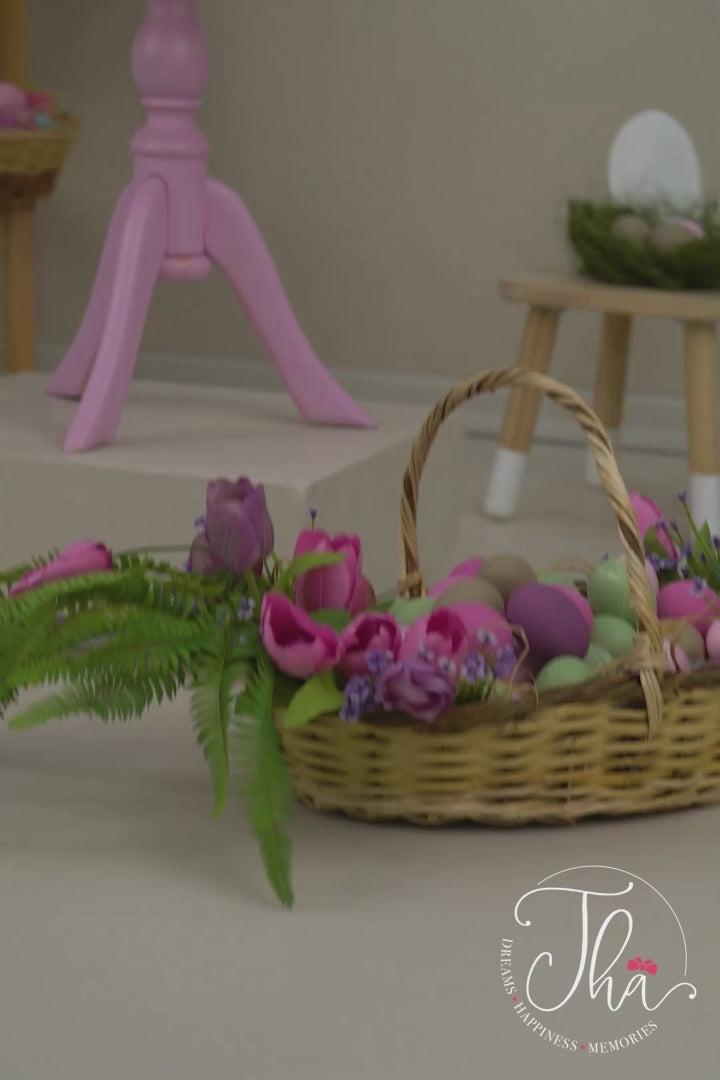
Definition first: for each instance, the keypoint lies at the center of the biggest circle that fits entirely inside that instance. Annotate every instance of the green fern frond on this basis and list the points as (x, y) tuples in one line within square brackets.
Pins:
[(215, 683), (259, 770), (80, 590), (107, 699)]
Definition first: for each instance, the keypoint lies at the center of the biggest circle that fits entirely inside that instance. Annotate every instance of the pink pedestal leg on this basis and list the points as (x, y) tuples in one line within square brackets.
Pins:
[(140, 256), (236, 245), (72, 374)]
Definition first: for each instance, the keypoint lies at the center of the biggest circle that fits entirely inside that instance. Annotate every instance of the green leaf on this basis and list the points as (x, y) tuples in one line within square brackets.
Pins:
[(259, 770), (214, 686), (317, 697), (311, 560), (408, 611), (337, 618), (286, 687)]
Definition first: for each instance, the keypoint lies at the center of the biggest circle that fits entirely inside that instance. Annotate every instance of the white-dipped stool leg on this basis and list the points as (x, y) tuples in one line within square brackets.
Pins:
[(520, 415), (701, 414), (610, 382), (505, 482), (704, 500)]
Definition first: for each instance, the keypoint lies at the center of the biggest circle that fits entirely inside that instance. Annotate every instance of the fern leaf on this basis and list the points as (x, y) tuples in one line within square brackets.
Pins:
[(260, 772), (221, 669), (106, 699)]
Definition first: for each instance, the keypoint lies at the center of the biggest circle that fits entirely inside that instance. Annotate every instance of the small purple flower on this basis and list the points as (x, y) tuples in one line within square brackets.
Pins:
[(682, 497), (702, 557), (698, 587), (358, 698), (686, 550), (448, 666), (246, 608), (313, 516), (474, 669), (377, 661), (199, 521), (415, 687), (486, 637), (186, 565), (685, 573)]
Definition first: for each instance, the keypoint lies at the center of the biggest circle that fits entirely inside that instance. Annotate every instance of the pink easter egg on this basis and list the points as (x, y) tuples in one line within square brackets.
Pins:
[(479, 617), (652, 576), (693, 600), (579, 601), (467, 569), (712, 641), (12, 98), (677, 657), (553, 623)]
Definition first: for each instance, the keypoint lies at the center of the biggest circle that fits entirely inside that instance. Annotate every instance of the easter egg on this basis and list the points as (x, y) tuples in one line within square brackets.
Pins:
[(677, 657), (609, 592), (558, 577), (630, 227), (688, 638), (693, 600), (612, 633), (471, 591), (580, 603), (12, 98), (562, 671), (506, 573), (712, 641), (552, 622), (597, 656), (481, 620), (669, 235)]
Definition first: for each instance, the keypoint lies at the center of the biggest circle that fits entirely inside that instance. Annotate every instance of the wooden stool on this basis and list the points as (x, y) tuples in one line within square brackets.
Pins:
[(546, 299), (16, 225)]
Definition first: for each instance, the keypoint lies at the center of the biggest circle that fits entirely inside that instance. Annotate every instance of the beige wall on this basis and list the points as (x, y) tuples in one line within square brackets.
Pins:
[(398, 154)]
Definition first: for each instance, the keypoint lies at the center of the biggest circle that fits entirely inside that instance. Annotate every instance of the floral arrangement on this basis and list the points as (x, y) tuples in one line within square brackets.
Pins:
[(256, 642)]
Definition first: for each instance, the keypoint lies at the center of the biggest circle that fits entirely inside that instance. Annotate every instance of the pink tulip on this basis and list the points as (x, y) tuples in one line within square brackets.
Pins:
[(650, 516), (371, 632), (441, 633), (78, 558), (329, 586), (299, 646), (363, 597)]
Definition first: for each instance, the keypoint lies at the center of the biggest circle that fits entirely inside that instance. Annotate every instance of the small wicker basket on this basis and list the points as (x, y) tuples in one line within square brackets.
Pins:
[(30, 160), (637, 741)]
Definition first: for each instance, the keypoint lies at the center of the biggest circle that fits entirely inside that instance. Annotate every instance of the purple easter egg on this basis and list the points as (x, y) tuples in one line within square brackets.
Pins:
[(712, 641), (693, 600), (552, 622), (579, 601), (479, 617)]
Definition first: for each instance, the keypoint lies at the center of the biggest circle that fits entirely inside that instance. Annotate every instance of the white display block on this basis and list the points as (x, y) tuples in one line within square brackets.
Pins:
[(149, 486)]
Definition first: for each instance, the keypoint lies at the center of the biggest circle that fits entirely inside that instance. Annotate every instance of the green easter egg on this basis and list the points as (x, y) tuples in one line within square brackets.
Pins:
[(558, 577), (409, 611), (562, 671), (614, 634), (608, 590), (597, 656)]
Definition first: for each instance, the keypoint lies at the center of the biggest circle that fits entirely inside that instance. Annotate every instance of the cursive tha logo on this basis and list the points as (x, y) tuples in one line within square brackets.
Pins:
[(571, 963)]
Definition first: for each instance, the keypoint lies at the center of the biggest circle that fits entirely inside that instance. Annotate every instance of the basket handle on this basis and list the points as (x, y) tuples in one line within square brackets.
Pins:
[(410, 578)]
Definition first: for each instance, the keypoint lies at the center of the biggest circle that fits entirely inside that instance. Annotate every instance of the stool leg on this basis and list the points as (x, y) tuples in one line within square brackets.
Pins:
[(610, 381), (19, 291), (701, 413), (520, 416)]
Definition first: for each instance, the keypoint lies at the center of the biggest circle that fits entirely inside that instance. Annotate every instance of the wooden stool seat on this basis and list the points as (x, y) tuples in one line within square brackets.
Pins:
[(546, 298)]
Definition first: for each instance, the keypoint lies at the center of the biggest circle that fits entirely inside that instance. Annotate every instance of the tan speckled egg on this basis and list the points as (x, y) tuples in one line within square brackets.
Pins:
[(507, 572), (630, 227), (689, 639), (472, 591), (669, 235)]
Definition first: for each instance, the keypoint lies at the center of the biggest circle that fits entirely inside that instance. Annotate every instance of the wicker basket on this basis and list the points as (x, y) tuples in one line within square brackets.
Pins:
[(637, 741), (30, 160)]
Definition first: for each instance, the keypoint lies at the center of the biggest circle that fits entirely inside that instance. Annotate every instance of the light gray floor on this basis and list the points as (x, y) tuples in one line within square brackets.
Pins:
[(140, 941)]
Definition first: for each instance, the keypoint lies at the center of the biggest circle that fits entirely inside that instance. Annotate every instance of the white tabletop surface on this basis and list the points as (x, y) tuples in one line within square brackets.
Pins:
[(140, 941)]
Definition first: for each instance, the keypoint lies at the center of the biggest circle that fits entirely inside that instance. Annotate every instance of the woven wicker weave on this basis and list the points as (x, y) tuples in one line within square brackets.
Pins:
[(30, 160), (637, 741)]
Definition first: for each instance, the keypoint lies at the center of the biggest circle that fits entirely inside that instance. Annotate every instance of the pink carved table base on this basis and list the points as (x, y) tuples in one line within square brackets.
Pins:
[(172, 221)]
